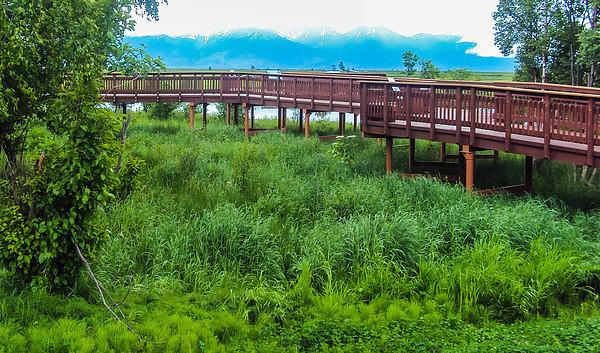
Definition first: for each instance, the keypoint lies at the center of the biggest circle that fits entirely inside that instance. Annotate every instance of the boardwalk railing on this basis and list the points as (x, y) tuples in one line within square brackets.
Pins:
[(553, 123), (337, 92)]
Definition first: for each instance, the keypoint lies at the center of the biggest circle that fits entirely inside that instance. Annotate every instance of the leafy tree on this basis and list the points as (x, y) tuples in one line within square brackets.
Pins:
[(589, 39), (429, 70), (162, 111), (342, 66), (410, 62), (523, 27), (52, 57), (545, 36)]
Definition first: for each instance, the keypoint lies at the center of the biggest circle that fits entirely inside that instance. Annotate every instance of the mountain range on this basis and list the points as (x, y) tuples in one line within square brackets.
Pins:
[(364, 48)]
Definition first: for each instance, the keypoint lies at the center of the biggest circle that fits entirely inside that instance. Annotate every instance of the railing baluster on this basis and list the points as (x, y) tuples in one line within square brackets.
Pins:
[(295, 91), (472, 116)]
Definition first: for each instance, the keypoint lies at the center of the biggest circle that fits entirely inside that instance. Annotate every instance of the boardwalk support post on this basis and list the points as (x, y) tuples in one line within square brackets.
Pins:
[(411, 155), (252, 117), (469, 157), (443, 152), (279, 117), (236, 114), (284, 122), (204, 109), (389, 144), (228, 114), (355, 121), (192, 111), (306, 124), (246, 121), (342, 123)]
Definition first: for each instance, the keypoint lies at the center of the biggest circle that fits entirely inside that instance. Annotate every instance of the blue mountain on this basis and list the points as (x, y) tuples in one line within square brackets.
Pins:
[(364, 48)]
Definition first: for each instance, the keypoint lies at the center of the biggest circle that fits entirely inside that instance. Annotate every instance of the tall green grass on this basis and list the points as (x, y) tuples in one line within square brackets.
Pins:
[(282, 244), (213, 204)]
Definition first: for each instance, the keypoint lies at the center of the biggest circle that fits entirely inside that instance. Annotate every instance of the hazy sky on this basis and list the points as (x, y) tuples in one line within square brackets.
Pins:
[(471, 19)]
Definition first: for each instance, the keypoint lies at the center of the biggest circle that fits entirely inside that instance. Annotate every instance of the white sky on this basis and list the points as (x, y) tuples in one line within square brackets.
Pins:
[(471, 19)]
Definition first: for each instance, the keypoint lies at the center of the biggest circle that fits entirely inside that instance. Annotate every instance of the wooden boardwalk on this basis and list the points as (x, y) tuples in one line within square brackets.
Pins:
[(536, 120)]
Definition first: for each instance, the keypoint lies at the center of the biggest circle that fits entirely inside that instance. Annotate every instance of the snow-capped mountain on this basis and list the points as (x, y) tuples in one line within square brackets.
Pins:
[(315, 48)]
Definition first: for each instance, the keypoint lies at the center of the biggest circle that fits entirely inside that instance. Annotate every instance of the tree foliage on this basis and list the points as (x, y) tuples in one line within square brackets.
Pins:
[(429, 70), (410, 60), (547, 37), (52, 57)]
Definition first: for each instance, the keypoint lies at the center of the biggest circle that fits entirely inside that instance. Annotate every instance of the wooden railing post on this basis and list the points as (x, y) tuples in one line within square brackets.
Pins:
[(590, 134), (432, 113), (409, 111), (386, 109), (331, 94), (547, 125), (472, 116), (179, 87), (363, 107), (279, 91), (350, 96), (508, 121), (114, 87), (262, 89), (295, 91), (458, 114), (202, 85), (158, 88), (312, 92), (248, 88)]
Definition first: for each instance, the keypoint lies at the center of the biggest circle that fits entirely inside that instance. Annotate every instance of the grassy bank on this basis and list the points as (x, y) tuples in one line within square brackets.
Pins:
[(282, 244)]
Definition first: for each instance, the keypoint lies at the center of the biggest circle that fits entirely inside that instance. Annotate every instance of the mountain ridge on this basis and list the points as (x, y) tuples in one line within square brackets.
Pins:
[(362, 48)]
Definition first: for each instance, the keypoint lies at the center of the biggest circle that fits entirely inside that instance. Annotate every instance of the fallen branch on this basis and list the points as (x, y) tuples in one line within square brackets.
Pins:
[(104, 294)]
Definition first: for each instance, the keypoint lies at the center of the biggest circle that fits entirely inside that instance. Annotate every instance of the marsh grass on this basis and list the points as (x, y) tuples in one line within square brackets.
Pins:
[(280, 244)]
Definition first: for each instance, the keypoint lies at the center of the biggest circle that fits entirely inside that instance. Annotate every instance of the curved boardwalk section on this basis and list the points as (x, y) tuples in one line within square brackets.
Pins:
[(536, 120)]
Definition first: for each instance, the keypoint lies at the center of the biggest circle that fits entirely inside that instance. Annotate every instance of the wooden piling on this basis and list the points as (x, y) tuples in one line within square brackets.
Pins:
[(228, 114), (246, 120), (469, 157), (306, 124), (192, 111), (342, 124), (389, 144), (411, 155)]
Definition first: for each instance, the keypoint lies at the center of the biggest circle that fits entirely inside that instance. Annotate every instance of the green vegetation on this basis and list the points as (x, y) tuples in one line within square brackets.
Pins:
[(282, 244), (554, 41), (59, 159)]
